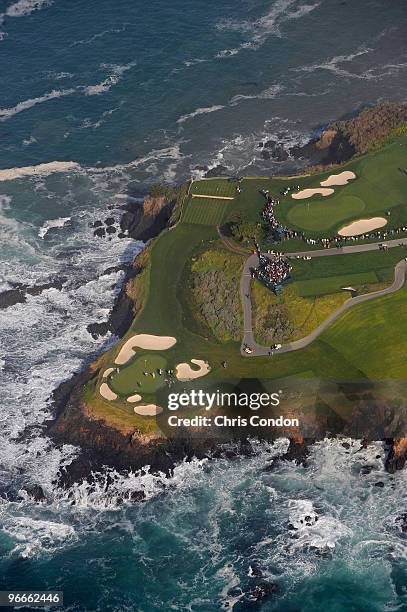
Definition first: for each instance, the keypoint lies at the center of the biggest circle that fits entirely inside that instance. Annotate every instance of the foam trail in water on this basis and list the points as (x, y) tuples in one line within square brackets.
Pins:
[(10, 174)]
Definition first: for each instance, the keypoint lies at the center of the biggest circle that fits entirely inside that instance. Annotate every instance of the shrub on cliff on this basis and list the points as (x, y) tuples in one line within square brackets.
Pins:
[(372, 126)]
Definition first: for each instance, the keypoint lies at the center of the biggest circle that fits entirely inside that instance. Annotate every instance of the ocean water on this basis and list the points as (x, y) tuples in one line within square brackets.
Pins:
[(98, 100)]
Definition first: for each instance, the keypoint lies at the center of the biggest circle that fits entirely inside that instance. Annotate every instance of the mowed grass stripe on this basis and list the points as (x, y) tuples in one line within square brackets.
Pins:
[(215, 187), (205, 212)]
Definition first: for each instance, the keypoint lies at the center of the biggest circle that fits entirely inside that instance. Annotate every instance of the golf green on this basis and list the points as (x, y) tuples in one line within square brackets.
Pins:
[(131, 378), (322, 214)]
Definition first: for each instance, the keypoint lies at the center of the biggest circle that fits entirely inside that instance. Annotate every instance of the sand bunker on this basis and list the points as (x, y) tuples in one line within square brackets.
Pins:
[(342, 178), (308, 193), (108, 371), (362, 226), (184, 371), (144, 341), (134, 398), (106, 392), (148, 410)]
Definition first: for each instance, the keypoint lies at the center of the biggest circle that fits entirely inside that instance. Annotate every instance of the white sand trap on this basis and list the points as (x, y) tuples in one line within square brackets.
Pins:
[(308, 193), (184, 371), (362, 226), (148, 410), (134, 398), (342, 178), (144, 341), (106, 392), (108, 371)]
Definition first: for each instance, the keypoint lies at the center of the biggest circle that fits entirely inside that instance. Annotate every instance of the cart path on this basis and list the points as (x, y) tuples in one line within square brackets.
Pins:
[(245, 294)]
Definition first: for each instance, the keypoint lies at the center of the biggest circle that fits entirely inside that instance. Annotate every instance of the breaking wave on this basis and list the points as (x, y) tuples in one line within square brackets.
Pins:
[(52, 224), (200, 111), (116, 71), (258, 30), (7, 113), (26, 7)]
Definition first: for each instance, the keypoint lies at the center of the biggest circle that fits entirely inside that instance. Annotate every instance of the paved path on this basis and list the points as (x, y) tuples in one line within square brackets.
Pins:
[(245, 295)]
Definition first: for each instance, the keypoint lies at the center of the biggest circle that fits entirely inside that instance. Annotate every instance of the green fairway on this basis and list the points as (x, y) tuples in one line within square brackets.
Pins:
[(205, 211), (333, 284), (320, 214), (373, 336), (380, 262), (131, 379)]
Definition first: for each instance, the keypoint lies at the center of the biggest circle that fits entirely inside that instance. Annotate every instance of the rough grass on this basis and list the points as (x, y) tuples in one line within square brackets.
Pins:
[(303, 314)]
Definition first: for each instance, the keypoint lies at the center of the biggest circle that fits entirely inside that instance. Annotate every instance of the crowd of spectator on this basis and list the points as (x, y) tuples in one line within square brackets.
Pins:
[(272, 271)]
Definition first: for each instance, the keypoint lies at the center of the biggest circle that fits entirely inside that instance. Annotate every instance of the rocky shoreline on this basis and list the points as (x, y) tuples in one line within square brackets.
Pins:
[(102, 445)]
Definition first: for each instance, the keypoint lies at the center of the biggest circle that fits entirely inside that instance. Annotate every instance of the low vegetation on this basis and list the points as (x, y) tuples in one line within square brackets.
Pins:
[(214, 288)]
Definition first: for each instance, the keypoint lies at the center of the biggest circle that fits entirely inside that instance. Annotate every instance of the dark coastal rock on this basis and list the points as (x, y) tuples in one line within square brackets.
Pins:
[(273, 150), (217, 171), (111, 229), (100, 232), (98, 330), (401, 522), (36, 492), (131, 219), (337, 151), (110, 221), (379, 484), (298, 451), (113, 269), (396, 454), (96, 224), (18, 295), (256, 596)]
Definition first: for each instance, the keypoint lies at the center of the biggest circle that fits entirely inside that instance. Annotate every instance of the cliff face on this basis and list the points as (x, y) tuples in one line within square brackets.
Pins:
[(346, 138), (146, 221)]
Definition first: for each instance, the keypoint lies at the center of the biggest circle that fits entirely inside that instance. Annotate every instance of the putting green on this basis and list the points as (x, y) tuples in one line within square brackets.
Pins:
[(126, 381), (322, 215)]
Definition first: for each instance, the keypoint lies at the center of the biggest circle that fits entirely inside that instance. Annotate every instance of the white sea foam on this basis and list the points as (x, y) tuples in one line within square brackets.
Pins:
[(200, 111), (21, 8), (91, 39), (334, 64), (10, 174), (6, 113), (34, 536), (267, 94), (116, 71), (52, 224), (257, 31), (88, 123), (29, 141)]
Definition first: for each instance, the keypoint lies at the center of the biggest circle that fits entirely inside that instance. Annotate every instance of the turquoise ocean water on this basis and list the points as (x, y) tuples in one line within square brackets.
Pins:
[(97, 100)]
